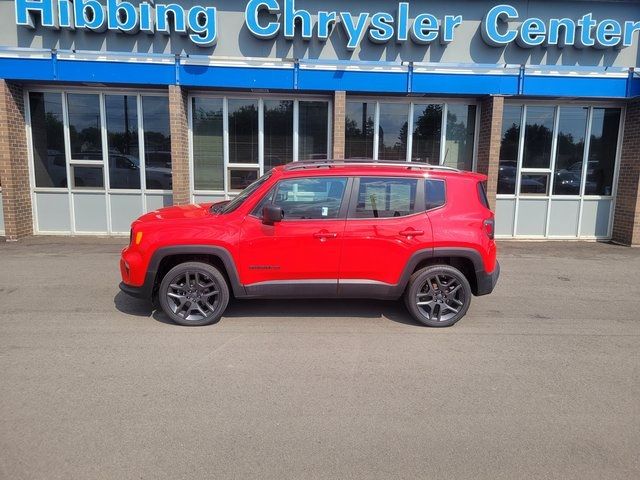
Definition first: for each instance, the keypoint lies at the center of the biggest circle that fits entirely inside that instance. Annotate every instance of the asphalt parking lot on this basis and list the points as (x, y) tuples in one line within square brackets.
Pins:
[(540, 380)]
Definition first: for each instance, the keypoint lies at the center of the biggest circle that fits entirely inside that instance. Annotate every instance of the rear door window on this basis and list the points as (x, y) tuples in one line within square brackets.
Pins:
[(380, 197)]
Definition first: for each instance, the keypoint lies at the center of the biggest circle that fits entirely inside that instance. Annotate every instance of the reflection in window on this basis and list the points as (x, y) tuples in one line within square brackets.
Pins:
[(392, 131), (243, 131), (537, 137), (208, 157), (359, 125), (87, 177), (84, 126), (310, 198), (157, 142), (313, 130), (534, 184), (427, 128), (461, 125), (47, 131), (278, 133), (241, 178), (122, 138), (572, 128), (602, 151), (508, 166), (386, 197)]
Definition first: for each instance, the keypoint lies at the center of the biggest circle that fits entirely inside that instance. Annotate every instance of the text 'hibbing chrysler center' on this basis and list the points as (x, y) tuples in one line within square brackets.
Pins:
[(112, 109)]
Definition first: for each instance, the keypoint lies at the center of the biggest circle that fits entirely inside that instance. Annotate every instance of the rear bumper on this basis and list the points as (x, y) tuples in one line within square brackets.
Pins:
[(487, 281)]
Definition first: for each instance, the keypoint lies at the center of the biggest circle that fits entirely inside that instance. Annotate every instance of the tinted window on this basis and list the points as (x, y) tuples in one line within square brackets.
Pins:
[(85, 126), (461, 126), (208, 158), (313, 130), (392, 131), (602, 153), (359, 122), (508, 167), (310, 198), (48, 139), (157, 142), (538, 135), (386, 197), (434, 194), (122, 137)]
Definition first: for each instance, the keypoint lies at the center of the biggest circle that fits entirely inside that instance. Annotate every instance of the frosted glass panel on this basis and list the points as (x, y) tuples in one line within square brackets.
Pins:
[(563, 221), (595, 218), (124, 210), (505, 210), (53, 212), (90, 212), (532, 217)]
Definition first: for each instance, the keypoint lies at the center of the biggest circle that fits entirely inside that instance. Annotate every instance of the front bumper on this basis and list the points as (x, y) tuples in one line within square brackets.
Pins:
[(487, 281), (136, 292)]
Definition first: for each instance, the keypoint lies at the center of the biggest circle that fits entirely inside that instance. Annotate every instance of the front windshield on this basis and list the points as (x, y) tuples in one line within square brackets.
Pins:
[(242, 196)]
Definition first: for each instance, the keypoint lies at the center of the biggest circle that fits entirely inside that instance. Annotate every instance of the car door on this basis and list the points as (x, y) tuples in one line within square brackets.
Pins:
[(386, 224), (299, 255)]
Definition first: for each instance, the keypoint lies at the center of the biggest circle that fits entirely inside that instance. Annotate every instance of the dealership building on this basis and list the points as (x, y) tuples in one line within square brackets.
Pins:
[(109, 109)]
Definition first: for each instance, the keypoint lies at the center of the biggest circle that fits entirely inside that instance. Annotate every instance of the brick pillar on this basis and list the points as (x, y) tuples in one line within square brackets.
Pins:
[(489, 143), (179, 122), (626, 220), (14, 163), (339, 105)]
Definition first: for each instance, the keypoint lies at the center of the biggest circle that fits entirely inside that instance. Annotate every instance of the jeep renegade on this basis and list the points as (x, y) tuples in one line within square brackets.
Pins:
[(322, 229)]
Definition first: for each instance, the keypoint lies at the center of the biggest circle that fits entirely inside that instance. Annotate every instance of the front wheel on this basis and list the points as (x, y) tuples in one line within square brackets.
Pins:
[(438, 295), (194, 294)]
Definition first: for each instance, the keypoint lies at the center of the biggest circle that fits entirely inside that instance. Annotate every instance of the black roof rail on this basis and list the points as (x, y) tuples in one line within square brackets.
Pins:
[(302, 164)]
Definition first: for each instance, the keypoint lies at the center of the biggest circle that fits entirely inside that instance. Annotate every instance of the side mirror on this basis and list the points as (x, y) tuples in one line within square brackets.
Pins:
[(271, 214)]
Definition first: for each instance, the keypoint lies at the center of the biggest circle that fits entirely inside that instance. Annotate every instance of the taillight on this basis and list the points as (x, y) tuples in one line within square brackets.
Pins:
[(489, 227)]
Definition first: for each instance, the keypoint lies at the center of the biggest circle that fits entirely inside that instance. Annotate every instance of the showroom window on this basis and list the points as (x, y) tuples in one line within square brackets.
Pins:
[(440, 133), (100, 159), (235, 140), (557, 174), (47, 131)]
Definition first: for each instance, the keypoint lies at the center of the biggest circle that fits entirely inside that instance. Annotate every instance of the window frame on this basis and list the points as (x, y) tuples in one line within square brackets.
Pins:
[(226, 192), (551, 197), (419, 201), (146, 195), (443, 101)]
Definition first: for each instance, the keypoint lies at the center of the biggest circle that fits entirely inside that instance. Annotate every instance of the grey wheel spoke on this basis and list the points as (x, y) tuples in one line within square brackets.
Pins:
[(429, 303), (439, 319), (450, 308), (210, 294), (177, 296), (455, 289)]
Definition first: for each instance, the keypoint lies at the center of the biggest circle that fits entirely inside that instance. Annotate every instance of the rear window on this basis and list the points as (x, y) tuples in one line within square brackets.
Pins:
[(482, 194), (434, 194)]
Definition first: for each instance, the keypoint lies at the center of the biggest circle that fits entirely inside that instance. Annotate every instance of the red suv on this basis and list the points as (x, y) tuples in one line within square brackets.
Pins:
[(322, 229)]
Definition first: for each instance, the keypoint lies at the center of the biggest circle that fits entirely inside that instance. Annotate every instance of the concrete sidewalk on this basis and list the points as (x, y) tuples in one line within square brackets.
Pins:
[(540, 380)]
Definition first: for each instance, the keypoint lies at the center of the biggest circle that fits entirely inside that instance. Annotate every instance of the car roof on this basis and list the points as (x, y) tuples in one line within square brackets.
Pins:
[(361, 167)]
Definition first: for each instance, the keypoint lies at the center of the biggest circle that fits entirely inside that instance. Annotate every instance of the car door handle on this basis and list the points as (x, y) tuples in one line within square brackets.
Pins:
[(411, 233), (323, 236)]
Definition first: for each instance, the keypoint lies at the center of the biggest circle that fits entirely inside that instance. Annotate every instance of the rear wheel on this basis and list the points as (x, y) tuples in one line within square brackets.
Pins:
[(194, 294), (438, 295)]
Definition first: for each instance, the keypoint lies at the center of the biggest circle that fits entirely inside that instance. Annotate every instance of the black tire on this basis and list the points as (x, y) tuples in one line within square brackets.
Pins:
[(438, 295), (194, 294)]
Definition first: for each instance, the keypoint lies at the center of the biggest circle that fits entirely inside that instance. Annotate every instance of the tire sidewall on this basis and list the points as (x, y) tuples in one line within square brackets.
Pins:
[(210, 270), (416, 282)]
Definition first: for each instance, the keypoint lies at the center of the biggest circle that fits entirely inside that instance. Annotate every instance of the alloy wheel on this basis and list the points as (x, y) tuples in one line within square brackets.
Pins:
[(440, 298), (193, 295)]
